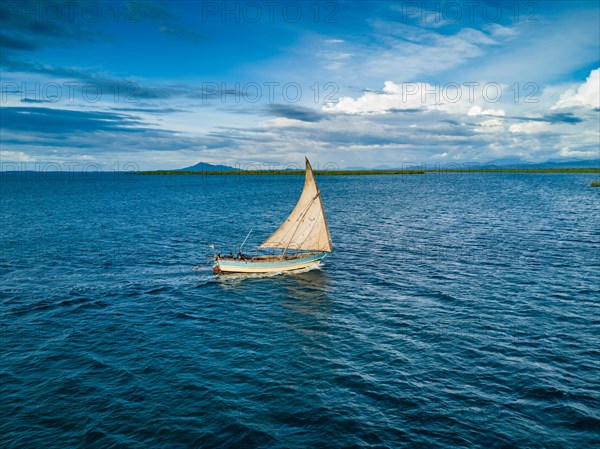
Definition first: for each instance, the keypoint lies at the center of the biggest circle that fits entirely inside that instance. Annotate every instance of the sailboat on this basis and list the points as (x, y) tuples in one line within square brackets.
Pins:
[(303, 236)]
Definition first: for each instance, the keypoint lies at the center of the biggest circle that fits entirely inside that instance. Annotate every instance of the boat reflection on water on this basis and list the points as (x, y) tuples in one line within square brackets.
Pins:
[(306, 328), (304, 291), (307, 293), (293, 315)]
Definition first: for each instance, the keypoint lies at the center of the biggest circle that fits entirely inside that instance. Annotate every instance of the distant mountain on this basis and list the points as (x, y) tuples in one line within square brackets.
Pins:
[(203, 166), (383, 167), (519, 163), (506, 163), (590, 163)]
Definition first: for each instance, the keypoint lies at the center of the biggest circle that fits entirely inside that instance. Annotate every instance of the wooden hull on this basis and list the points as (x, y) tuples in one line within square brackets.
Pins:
[(269, 265)]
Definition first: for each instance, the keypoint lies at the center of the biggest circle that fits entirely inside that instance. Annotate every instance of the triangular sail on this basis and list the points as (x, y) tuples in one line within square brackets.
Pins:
[(306, 227)]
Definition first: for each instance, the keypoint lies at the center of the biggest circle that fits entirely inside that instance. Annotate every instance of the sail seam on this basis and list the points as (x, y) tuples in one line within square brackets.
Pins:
[(299, 232), (306, 209)]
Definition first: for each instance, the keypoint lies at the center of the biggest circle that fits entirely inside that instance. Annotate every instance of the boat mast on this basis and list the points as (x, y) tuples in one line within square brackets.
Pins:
[(242, 245)]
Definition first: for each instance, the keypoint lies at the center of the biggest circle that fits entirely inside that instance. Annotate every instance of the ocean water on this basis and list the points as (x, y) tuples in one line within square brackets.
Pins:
[(456, 311)]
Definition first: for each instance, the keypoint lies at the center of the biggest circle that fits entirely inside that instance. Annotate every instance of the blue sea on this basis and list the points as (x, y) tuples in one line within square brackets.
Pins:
[(456, 311)]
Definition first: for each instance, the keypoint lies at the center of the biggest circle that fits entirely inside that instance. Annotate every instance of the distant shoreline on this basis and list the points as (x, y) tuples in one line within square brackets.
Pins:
[(368, 172)]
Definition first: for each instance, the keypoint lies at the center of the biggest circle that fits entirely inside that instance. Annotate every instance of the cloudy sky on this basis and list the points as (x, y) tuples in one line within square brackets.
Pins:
[(354, 84)]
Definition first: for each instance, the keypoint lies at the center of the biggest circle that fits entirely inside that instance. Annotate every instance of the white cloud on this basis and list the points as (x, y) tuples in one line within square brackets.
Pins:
[(529, 127), (451, 98), (333, 55), (547, 51), (490, 126), (499, 31), (333, 60), (16, 156), (283, 122), (418, 52), (567, 152), (586, 94), (394, 96), (478, 110)]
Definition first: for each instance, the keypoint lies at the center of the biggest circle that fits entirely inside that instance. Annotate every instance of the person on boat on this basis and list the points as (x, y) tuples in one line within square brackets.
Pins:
[(231, 255)]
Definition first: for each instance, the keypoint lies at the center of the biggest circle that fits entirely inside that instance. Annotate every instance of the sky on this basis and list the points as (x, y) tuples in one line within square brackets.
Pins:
[(162, 85)]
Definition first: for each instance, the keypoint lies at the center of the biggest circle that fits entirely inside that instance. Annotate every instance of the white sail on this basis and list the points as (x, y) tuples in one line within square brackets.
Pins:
[(306, 227)]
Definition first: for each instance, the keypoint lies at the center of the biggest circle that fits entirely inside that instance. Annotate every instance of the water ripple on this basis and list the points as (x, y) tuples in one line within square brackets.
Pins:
[(455, 311)]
